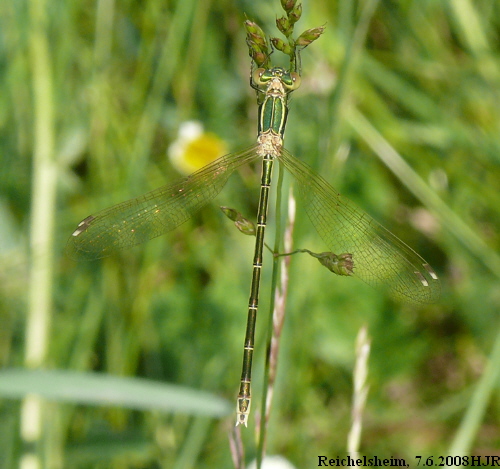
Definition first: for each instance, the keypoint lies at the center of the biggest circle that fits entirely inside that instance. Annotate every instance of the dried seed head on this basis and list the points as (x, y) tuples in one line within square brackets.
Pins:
[(309, 36)]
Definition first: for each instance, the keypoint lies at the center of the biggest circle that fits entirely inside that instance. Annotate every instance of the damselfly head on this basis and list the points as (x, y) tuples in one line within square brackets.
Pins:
[(289, 80)]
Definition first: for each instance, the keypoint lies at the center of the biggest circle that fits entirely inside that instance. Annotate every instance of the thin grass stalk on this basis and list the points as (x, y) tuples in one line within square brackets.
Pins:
[(353, 51), (42, 225), (280, 305), (360, 391), (236, 447), (192, 445), (100, 115), (470, 26), (448, 218), (169, 59), (193, 55), (274, 288), (43, 193), (474, 415)]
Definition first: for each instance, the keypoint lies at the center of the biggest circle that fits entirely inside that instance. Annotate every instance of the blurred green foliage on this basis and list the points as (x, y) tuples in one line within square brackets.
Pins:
[(124, 75)]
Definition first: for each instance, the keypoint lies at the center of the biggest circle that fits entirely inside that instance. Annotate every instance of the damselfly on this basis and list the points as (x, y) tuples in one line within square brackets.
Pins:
[(365, 248)]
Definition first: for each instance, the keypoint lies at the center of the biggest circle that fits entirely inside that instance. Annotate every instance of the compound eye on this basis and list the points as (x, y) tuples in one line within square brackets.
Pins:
[(257, 76), (295, 81)]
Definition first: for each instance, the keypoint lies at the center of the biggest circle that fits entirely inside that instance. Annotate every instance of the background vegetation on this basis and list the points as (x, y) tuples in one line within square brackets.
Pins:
[(91, 96)]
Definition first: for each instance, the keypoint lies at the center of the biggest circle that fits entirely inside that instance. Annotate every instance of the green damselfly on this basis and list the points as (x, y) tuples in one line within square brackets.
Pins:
[(365, 248)]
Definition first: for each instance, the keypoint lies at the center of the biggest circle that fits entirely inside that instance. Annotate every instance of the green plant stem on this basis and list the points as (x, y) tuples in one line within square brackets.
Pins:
[(469, 427), (353, 52), (43, 194), (43, 198), (100, 112), (274, 288), (403, 171), (169, 58)]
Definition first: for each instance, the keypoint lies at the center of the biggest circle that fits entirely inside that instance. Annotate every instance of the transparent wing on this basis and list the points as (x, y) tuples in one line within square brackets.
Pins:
[(379, 257), (153, 214)]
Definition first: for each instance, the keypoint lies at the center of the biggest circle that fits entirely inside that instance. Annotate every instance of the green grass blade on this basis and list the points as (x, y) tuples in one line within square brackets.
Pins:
[(103, 389)]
